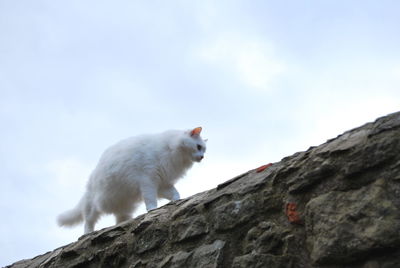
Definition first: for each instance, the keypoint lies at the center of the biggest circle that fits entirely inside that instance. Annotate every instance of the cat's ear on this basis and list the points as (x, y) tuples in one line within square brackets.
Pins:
[(196, 132)]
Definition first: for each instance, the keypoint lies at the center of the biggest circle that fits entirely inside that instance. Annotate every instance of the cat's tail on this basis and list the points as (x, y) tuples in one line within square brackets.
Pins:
[(71, 217)]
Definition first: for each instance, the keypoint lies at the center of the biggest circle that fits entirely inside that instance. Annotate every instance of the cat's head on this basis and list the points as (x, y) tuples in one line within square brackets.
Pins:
[(194, 144)]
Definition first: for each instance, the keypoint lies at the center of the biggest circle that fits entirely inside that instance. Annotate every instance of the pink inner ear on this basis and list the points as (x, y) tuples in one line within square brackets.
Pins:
[(195, 131)]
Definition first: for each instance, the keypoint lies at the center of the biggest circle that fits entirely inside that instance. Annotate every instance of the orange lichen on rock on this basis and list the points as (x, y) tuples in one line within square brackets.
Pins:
[(264, 167), (292, 214)]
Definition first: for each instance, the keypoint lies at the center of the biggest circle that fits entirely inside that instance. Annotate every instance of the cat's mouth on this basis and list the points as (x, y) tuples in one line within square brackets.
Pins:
[(198, 158)]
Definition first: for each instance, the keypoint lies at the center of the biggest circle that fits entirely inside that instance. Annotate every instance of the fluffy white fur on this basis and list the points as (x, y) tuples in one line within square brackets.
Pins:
[(139, 168)]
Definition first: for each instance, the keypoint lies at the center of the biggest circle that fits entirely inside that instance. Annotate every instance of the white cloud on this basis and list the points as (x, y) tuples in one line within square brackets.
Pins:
[(69, 172), (252, 60), (396, 73), (352, 113)]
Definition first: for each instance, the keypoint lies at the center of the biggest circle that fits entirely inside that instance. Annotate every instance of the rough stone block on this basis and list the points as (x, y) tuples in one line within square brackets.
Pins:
[(177, 260), (344, 226), (255, 260), (188, 228), (150, 239), (229, 215), (208, 256)]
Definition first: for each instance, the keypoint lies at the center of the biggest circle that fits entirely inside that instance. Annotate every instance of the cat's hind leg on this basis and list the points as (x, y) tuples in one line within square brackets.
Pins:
[(121, 217), (90, 215)]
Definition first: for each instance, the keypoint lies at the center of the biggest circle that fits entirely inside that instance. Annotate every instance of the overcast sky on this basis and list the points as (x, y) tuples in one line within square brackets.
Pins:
[(264, 79)]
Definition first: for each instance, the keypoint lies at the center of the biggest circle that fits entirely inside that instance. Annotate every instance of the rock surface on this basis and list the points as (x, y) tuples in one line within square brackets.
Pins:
[(344, 196)]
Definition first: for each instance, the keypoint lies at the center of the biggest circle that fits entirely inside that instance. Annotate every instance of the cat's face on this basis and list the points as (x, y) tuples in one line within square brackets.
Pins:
[(195, 145), (198, 150)]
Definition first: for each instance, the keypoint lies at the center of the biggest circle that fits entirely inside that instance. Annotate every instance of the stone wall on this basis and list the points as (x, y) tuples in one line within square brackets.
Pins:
[(335, 205)]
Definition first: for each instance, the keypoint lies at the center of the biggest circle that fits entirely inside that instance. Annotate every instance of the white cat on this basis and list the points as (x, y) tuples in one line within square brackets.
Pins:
[(139, 168)]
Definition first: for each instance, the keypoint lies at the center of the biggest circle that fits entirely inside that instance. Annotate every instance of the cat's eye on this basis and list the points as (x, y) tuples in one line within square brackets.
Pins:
[(199, 147)]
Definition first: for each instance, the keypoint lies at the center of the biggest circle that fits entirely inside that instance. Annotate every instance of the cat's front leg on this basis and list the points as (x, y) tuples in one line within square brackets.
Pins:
[(149, 194), (170, 193), (175, 194)]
